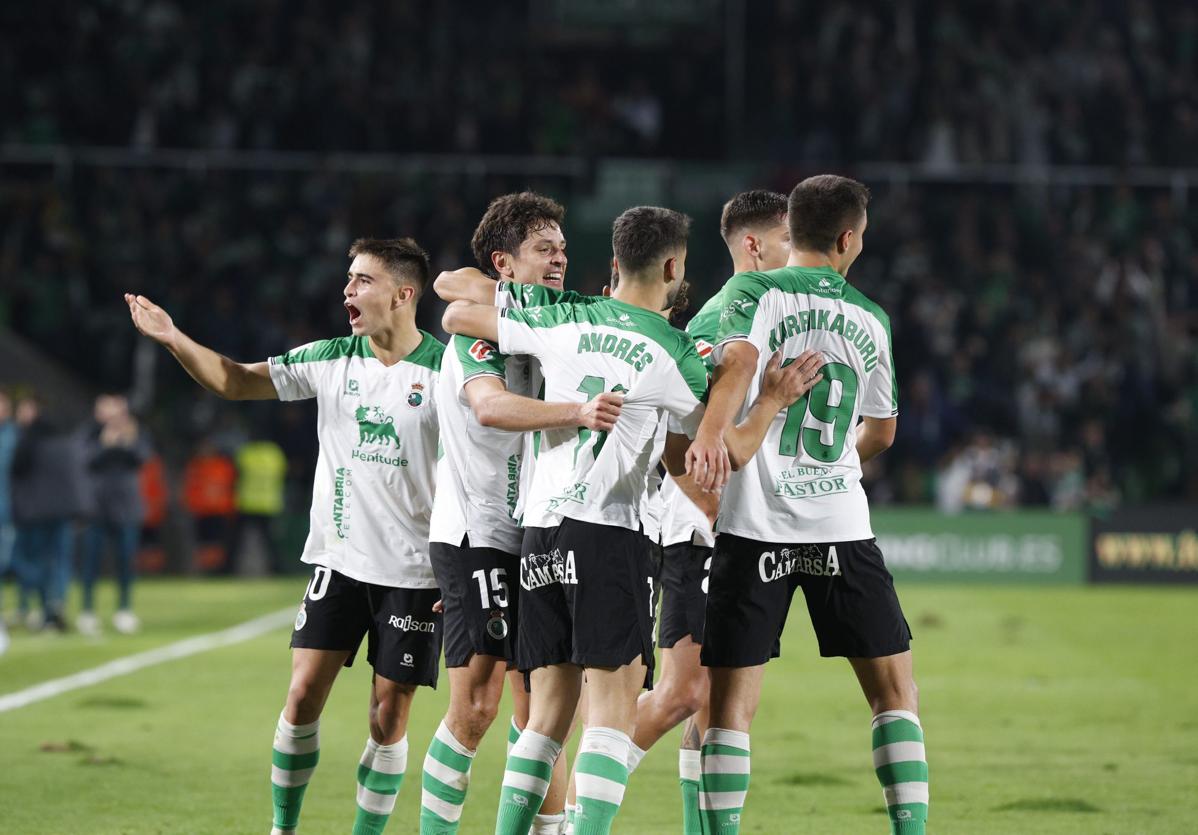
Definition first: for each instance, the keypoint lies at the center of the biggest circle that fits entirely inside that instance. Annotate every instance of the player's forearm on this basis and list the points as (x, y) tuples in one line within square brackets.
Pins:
[(744, 439), (215, 372), (505, 410), (469, 319), (729, 386), (466, 284)]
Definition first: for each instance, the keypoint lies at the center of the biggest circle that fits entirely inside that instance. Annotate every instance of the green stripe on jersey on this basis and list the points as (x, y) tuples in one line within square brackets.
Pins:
[(324, 350), (428, 352)]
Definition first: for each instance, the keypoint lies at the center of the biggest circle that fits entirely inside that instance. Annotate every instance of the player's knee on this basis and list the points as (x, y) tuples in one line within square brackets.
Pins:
[(305, 698), (899, 695), (476, 713), (390, 707)]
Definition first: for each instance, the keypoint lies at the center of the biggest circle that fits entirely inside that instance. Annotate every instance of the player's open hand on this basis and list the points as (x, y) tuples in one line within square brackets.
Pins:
[(707, 461), (150, 319), (601, 413), (786, 384)]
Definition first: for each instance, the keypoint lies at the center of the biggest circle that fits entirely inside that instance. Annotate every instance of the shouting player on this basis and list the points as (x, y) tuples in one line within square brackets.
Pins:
[(371, 500), (485, 406), (795, 514), (753, 226)]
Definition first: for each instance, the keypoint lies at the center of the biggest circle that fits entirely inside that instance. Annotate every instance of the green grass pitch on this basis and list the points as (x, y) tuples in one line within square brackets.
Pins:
[(1046, 710)]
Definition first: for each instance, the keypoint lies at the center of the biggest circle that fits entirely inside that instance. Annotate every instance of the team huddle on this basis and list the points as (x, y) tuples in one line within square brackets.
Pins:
[(526, 498)]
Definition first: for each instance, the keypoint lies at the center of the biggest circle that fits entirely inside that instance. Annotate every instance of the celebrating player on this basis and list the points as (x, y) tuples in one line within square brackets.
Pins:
[(485, 404), (371, 500), (584, 572), (795, 514), (753, 226)]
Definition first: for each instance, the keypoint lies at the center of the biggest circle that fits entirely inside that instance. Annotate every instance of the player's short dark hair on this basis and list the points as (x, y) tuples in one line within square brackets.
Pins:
[(405, 259), (752, 210), (644, 234), (508, 221), (822, 207)]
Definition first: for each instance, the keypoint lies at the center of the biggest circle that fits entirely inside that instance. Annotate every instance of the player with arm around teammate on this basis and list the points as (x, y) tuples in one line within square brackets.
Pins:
[(486, 402), (753, 226), (795, 515), (371, 501)]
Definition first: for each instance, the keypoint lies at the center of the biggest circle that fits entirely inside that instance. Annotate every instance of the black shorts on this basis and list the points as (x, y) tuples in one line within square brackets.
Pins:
[(683, 593), (585, 597), (480, 598), (404, 632), (850, 598)]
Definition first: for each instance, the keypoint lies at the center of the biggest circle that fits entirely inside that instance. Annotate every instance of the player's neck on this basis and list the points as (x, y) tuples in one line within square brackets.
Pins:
[(393, 343), (647, 296), (810, 258)]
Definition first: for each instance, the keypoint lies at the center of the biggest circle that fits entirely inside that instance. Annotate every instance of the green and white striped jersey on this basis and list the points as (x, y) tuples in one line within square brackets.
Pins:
[(804, 484), (479, 477), (376, 471), (586, 349)]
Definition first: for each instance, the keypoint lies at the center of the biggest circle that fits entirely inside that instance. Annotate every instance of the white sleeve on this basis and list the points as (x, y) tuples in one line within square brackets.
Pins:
[(293, 375), (880, 399)]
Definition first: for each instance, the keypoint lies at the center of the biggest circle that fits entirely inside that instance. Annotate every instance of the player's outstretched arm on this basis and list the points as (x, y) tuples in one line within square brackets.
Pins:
[(707, 459), (215, 372), (875, 436), (467, 284), (674, 457), (780, 388), (494, 405), (470, 319)]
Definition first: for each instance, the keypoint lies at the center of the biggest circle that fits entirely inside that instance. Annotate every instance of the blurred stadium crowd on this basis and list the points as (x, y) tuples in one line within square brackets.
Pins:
[(1061, 81), (1046, 338)]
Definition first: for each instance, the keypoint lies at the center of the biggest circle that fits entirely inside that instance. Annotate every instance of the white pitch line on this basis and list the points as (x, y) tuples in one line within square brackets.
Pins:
[(133, 663)]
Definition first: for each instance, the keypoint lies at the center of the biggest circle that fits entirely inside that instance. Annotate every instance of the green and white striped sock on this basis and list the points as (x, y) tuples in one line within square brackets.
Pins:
[(902, 768), (688, 780), (525, 782), (723, 780), (571, 813), (296, 751), (380, 774), (600, 777), (513, 735), (446, 778)]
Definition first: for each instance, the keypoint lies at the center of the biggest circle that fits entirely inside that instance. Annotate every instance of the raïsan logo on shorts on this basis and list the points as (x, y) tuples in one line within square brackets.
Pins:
[(301, 617), (409, 624), (408, 660), (806, 559)]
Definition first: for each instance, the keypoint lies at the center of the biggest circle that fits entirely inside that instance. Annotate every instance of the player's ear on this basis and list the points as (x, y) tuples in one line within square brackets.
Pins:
[(502, 262), (404, 294), (842, 242), (670, 269), (751, 245)]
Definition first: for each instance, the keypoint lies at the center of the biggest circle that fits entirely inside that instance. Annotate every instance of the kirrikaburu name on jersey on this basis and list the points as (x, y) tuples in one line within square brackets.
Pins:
[(823, 320), (619, 347)]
